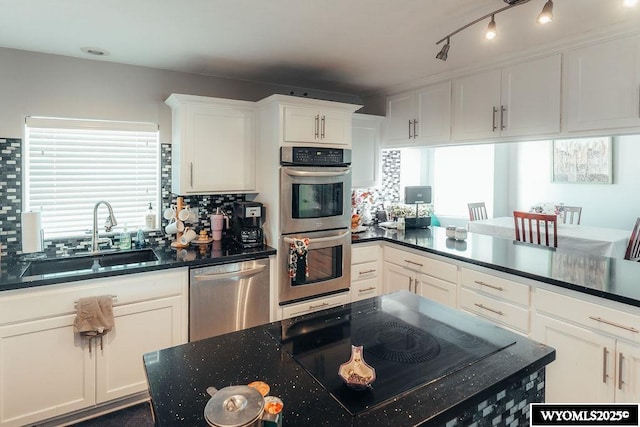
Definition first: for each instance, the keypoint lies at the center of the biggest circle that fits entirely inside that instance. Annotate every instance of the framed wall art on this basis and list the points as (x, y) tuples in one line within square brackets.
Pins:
[(582, 161)]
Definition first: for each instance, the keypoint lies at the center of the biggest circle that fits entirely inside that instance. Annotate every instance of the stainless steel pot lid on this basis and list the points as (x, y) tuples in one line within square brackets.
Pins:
[(234, 406)]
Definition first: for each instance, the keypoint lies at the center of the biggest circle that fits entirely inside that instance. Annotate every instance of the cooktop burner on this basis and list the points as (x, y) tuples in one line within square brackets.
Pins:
[(409, 340), (397, 342)]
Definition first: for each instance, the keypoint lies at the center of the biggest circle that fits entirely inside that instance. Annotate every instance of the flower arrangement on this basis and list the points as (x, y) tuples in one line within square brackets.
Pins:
[(362, 204), (548, 208)]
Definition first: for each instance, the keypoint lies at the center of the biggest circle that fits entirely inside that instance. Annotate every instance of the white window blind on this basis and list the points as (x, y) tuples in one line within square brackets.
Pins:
[(70, 165)]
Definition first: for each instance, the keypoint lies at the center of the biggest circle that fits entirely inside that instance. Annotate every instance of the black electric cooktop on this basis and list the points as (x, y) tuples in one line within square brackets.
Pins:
[(410, 341)]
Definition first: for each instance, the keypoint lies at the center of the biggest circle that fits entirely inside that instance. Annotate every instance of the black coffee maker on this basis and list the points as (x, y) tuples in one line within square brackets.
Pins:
[(247, 221)]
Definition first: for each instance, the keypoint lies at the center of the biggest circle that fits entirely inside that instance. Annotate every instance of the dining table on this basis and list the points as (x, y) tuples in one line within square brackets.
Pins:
[(609, 242)]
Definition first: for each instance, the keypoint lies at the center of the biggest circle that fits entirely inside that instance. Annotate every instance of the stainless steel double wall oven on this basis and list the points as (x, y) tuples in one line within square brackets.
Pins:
[(315, 212)]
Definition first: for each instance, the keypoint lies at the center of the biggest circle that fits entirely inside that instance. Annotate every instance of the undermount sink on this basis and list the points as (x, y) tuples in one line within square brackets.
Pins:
[(88, 262)]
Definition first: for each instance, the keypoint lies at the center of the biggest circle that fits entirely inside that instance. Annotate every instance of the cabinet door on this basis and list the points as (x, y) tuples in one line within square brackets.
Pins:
[(437, 290), (434, 113), (603, 83), (398, 128), (46, 370), (365, 154), (301, 124), (139, 328), (335, 127), (584, 369), (531, 98), (397, 278), (476, 106), (220, 150), (628, 373)]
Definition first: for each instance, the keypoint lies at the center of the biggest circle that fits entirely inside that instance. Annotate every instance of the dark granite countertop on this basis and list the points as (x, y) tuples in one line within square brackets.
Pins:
[(179, 376), (222, 252), (611, 278)]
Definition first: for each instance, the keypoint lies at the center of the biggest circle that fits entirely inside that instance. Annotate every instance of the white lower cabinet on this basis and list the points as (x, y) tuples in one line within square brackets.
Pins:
[(597, 350), (47, 370), (425, 276), (498, 299), (366, 274)]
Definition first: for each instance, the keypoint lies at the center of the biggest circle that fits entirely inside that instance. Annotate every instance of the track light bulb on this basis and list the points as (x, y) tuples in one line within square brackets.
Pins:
[(444, 52), (546, 15), (490, 34)]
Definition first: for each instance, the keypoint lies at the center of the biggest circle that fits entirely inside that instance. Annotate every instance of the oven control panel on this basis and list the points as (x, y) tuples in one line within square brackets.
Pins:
[(314, 156)]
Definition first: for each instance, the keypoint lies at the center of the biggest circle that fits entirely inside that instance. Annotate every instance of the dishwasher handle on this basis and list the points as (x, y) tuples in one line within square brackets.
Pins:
[(231, 274)]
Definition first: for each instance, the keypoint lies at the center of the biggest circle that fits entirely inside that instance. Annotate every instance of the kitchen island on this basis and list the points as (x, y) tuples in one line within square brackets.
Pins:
[(497, 382)]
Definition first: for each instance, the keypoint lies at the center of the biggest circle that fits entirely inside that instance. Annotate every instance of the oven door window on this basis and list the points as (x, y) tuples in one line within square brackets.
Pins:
[(317, 200), (319, 265)]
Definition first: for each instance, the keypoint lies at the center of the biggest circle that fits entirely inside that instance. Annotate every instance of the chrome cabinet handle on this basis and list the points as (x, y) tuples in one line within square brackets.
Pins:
[(372, 288), (367, 272), (191, 174), (617, 325), (317, 125), (410, 283), (414, 263), (324, 304), (323, 127), (620, 382), (415, 134), (605, 352), (481, 283), (502, 110), (410, 129), (493, 123), (498, 312)]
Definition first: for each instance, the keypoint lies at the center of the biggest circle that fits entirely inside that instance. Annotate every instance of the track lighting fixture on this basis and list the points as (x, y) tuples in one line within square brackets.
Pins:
[(490, 33), (546, 15), (444, 51)]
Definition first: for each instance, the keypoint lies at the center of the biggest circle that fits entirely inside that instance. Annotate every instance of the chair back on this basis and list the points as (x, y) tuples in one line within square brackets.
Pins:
[(633, 248), (572, 215), (477, 211), (533, 225)]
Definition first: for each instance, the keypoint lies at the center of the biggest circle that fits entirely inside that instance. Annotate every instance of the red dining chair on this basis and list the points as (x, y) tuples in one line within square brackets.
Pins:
[(633, 248), (530, 225), (477, 211)]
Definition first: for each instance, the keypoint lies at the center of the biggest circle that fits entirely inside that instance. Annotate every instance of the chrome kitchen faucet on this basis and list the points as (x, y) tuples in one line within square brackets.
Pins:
[(111, 221)]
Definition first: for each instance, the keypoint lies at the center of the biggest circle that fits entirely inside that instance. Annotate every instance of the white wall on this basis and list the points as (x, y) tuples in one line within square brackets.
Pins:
[(39, 84), (615, 206)]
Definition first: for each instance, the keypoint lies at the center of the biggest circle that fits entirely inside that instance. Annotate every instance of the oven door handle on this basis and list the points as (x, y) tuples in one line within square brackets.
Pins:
[(291, 172), (322, 239)]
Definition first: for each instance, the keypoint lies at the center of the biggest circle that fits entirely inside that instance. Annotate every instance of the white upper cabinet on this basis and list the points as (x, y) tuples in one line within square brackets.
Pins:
[(603, 85), (518, 100), (365, 155), (302, 124), (419, 117), (213, 145), (305, 121)]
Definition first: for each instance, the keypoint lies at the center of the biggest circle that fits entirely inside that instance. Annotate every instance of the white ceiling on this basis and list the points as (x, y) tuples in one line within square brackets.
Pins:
[(351, 46)]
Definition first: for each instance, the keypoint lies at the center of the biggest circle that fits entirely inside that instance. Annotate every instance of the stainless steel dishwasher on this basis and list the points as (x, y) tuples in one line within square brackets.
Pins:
[(227, 298)]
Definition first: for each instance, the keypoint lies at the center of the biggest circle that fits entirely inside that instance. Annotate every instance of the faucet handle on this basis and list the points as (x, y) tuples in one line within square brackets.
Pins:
[(108, 225)]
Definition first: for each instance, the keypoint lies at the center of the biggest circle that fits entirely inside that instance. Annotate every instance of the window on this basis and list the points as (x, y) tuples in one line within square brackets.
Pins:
[(462, 174), (70, 165)]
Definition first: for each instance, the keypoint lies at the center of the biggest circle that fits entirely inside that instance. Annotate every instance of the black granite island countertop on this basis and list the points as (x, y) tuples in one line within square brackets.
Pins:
[(179, 376), (611, 278), (221, 252)]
